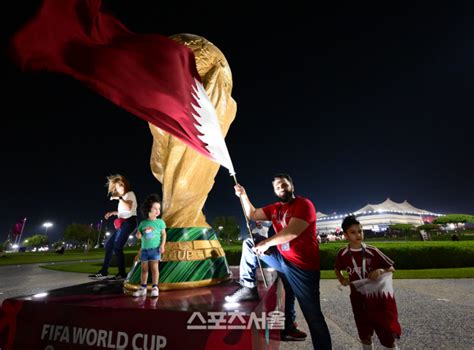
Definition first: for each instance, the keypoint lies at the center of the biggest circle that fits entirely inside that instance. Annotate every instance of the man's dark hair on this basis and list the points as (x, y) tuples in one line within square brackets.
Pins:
[(283, 176), (148, 203), (348, 222)]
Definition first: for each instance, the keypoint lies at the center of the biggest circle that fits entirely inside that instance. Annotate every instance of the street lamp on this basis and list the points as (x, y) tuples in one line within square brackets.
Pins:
[(47, 225)]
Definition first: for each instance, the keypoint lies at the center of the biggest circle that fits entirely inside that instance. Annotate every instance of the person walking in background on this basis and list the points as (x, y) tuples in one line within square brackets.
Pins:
[(125, 223), (152, 232), (259, 229)]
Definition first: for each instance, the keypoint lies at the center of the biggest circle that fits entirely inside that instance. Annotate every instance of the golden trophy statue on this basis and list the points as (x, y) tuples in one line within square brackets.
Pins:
[(194, 256)]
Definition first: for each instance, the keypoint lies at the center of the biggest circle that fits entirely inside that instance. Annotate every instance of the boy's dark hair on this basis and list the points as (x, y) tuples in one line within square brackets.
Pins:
[(348, 222), (283, 176), (148, 203)]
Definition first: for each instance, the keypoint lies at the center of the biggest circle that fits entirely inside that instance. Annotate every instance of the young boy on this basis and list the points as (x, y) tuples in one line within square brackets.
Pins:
[(153, 235), (372, 299)]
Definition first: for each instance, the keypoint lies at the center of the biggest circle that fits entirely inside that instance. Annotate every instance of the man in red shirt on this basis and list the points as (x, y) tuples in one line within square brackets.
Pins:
[(296, 257)]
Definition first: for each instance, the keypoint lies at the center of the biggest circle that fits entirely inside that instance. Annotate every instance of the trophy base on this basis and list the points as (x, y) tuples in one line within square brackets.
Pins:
[(194, 258)]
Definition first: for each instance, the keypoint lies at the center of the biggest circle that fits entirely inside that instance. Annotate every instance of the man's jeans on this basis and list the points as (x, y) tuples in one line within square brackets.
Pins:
[(300, 283), (115, 245)]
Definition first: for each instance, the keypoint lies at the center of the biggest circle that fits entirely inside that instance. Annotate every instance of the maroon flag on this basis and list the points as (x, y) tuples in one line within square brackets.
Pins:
[(149, 75), (379, 296), (18, 228)]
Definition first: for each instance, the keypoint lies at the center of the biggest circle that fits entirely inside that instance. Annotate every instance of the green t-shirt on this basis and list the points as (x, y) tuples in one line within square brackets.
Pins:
[(151, 239)]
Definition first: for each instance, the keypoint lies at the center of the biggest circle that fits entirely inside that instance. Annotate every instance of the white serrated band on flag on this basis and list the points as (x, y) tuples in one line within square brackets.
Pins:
[(381, 287), (210, 128)]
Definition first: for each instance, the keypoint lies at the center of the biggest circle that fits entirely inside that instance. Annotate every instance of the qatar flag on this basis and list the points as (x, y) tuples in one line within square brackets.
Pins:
[(18, 228), (380, 301), (149, 75)]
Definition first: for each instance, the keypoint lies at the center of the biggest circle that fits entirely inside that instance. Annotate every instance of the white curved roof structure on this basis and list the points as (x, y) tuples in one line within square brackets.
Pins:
[(390, 206), (376, 217)]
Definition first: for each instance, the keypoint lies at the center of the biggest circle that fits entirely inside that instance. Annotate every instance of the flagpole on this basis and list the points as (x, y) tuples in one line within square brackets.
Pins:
[(251, 235), (22, 228), (100, 231)]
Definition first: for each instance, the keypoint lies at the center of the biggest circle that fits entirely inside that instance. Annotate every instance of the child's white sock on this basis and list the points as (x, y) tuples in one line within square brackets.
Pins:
[(367, 346), (395, 348)]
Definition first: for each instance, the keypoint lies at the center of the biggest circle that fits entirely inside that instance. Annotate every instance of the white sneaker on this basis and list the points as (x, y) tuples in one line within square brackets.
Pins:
[(154, 292), (140, 292)]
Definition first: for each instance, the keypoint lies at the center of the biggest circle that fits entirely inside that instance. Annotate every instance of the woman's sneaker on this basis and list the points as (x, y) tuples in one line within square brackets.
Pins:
[(98, 276), (117, 277), (140, 292), (154, 292)]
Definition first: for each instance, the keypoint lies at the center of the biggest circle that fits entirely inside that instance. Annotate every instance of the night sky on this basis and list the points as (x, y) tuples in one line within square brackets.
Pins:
[(358, 103)]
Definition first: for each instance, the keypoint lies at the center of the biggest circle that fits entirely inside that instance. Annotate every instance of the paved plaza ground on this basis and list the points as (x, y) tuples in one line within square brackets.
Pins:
[(434, 314)]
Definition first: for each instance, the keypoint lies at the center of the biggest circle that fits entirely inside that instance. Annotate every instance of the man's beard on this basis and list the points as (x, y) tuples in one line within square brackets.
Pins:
[(285, 197)]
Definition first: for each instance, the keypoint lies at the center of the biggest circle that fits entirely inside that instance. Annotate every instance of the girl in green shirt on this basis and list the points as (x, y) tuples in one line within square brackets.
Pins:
[(152, 232)]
